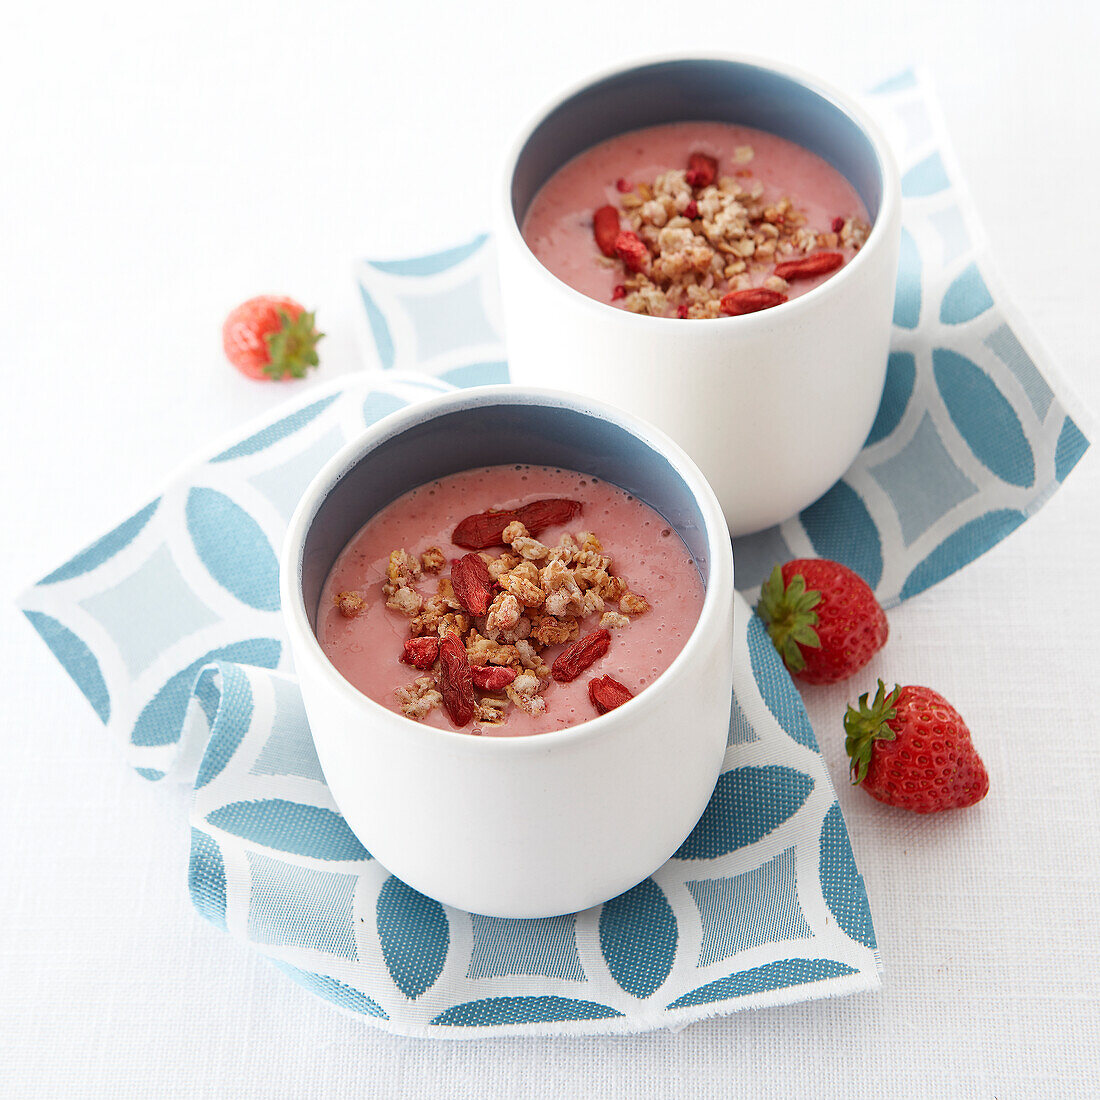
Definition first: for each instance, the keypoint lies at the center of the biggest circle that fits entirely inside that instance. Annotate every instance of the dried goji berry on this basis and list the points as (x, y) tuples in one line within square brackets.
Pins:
[(750, 301), (421, 652), (618, 292), (838, 224), (552, 512), (691, 210), (631, 249), (607, 694), (472, 584), (605, 224), (456, 681), (702, 170), (580, 655), (486, 529), (820, 263), (681, 311), (492, 677), (623, 185), (480, 531)]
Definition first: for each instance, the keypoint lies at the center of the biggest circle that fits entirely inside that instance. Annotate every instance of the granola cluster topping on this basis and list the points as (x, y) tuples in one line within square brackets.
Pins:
[(695, 244), (478, 639)]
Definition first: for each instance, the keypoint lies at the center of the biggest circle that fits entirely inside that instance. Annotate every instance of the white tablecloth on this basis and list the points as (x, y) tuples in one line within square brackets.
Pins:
[(162, 163)]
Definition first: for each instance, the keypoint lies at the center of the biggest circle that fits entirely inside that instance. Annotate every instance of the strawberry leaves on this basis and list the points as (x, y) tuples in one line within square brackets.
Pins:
[(292, 348), (867, 725), (788, 612)]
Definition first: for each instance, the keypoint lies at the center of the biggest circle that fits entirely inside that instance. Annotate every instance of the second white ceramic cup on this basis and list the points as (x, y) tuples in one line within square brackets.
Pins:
[(773, 406)]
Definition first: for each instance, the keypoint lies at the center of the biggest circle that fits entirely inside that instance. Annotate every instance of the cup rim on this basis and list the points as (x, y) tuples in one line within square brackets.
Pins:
[(717, 536), (508, 226)]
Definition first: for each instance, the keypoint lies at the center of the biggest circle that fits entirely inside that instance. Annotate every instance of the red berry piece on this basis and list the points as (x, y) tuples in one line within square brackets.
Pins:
[(753, 300), (456, 680), (486, 529), (820, 263), (472, 584), (492, 677), (606, 693), (582, 653), (631, 249), (420, 652), (702, 170), (605, 228)]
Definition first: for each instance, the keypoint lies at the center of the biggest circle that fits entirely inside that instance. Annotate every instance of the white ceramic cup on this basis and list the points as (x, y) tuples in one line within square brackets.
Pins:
[(517, 826), (773, 406)]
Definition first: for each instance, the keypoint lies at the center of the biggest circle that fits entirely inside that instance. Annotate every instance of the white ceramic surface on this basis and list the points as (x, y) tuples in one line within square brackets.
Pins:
[(773, 406), (532, 826)]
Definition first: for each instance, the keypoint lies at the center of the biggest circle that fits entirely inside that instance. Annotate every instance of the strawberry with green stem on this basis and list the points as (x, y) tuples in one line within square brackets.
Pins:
[(271, 338), (910, 748), (822, 618)]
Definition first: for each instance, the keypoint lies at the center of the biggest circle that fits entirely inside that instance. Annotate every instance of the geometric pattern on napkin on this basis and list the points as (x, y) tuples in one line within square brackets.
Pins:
[(170, 625), (762, 904), (193, 578), (971, 437)]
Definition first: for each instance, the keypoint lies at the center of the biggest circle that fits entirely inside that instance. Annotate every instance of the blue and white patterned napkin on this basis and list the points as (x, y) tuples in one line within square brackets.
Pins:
[(170, 626)]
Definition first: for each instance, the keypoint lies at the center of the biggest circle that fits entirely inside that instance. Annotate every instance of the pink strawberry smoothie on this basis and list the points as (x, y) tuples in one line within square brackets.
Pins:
[(558, 224), (645, 551)]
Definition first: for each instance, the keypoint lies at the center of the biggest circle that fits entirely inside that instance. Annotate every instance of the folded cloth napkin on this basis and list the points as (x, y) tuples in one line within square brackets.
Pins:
[(170, 626)]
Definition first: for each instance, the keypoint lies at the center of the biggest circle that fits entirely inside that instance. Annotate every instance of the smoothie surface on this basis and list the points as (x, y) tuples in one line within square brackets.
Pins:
[(645, 552), (558, 226)]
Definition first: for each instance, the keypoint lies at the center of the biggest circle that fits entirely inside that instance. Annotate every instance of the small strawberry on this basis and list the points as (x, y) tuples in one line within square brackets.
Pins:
[(823, 619), (271, 338), (911, 749)]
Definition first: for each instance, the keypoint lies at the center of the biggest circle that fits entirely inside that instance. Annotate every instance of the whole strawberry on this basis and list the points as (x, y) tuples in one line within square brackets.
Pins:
[(911, 749), (823, 619), (271, 338)]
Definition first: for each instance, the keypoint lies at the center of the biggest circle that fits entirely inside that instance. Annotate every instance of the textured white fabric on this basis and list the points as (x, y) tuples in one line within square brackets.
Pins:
[(151, 158)]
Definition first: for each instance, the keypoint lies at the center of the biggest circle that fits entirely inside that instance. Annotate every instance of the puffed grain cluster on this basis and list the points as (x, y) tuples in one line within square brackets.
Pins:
[(706, 242), (542, 596)]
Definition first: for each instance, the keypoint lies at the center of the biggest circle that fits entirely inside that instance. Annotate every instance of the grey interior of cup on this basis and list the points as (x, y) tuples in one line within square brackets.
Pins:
[(698, 90), (491, 435)]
